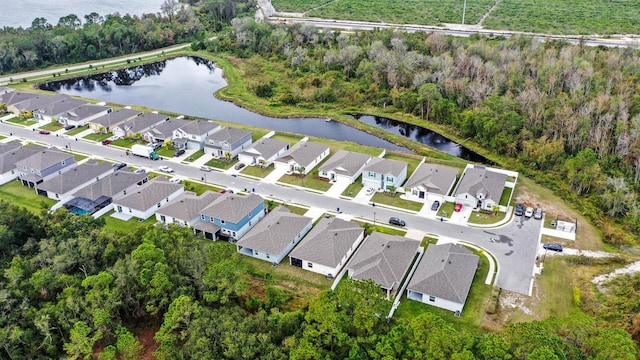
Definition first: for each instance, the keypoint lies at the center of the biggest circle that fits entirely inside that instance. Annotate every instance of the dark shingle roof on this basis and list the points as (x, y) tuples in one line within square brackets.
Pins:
[(436, 179), (275, 232), (166, 128), (144, 121), (9, 147), (73, 178), (328, 242), (38, 101), (83, 111)]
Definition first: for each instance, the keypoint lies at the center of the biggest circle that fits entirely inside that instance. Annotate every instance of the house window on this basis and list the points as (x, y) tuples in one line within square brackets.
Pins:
[(324, 172), (389, 179), (167, 199), (221, 221), (432, 298), (162, 218), (233, 234), (309, 265), (193, 137), (372, 174), (202, 217), (130, 210), (124, 192), (212, 220), (256, 253), (249, 215), (268, 257), (62, 162), (57, 196), (159, 204), (249, 223)]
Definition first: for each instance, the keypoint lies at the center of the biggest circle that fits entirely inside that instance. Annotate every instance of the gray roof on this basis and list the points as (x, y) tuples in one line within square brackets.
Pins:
[(165, 129), (265, 147), (32, 103), (345, 162), (188, 205), (275, 232), (16, 97), (144, 121), (479, 179), (383, 258), (149, 194), (385, 166), (228, 134), (44, 159), (328, 242), (5, 90), (9, 147), (8, 160), (445, 271), (436, 179), (232, 207), (84, 111), (75, 177), (199, 127), (116, 117), (303, 153), (59, 107), (110, 185)]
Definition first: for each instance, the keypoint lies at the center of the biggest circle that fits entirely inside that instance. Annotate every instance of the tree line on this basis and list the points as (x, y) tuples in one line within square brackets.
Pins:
[(569, 115), (72, 288)]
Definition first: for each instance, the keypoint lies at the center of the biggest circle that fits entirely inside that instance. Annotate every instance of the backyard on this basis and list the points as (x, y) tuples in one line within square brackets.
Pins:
[(26, 197)]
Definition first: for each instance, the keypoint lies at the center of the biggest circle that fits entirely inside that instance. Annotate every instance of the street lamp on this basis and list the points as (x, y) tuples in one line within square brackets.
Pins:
[(204, 177), (374, 218), (464, 11)]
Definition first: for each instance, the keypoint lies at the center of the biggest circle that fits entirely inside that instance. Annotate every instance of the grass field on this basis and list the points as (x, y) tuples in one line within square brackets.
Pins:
[(98, 137), (52, 126), (353, 189), (221, 164), (261, 172), (118, 225), (77, 130), (23, 196), (484, 218), (396, 201), (297, 5), (309, 181)]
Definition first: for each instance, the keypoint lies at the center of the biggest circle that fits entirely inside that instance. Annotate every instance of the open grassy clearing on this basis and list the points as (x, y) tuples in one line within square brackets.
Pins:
[(446, 209), (26, 197), (118, 225), (52, 126), (384, 229), (297, 5), (23, 122), (506, 195), (199, 188), (486, 218), (289, 138)]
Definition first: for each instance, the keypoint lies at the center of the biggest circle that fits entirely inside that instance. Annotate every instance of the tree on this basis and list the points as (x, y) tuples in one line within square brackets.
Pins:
[(128, 346), (169, 7), (427, 94), (81, 341)]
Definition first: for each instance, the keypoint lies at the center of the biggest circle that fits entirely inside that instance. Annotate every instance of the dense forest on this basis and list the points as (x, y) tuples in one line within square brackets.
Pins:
[(72, 289), (568, 114), (75, 39)]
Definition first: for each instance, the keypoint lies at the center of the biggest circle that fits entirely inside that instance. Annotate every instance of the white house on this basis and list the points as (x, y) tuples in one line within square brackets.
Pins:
[(44, 165), (481, 187), (345, 165), (302, 157), (148, 198), (9, 159), (430, 179), (382, 173), (328, 246), (227, 141), (138, 125), (444, 276), (48, 112), (104, 123), (81, 115), (263, 152), (193, 135), (61, 187), (273, 237)]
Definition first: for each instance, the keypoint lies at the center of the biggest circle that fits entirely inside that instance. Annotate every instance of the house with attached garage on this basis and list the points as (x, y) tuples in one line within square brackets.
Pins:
[(430, 179), (230, 216), (104, 123), (480, 187), (194, 134), (44, 165), (9, 158), (228, 142), (61, 187), (382, 173), (328, 246), (148, 198), (383, 258), (273, 237), (443, 277), (138, 125), (263, 152), (49, 112), (185, 209), (81, 115), (164, 131), (19, 101), (344, 165), (302, 157)]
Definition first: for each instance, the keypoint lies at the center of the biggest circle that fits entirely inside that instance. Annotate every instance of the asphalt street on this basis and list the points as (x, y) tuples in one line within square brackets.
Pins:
[(514, 245)]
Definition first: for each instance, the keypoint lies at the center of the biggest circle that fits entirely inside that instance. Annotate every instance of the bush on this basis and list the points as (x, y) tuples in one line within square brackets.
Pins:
[(265, 90)]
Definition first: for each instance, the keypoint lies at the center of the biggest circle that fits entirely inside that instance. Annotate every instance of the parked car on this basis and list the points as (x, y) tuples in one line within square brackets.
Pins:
[(44, 132), (119, 166), (106, 142), (458, 207), (239, 166), (529, 212), (553, 247), (370, 191), (396, 221), (179, 152), (537, 214), (205, 168), (519, 211), (69, 127), (175, 180), (435, 205), (156, 146), (140, 171), (165, 168)]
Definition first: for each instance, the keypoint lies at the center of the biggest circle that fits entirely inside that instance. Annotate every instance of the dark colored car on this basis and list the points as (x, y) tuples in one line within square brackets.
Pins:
[(519, 211), (106, 142), (396, 221), (69, 127), (179, 152), (44, 132), (553, 247), (435, 205), (238, 166), (119, 166)]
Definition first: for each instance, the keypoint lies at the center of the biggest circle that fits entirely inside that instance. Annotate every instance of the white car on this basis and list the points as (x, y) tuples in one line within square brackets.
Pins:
[(175, 180), (165, 168), (370, 191), (529, 212)]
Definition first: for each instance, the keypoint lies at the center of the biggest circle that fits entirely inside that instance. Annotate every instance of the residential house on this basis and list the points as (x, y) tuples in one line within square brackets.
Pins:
[(19, 102), (61, 186), (47, 113), (185, 209), (9, 159), (194, 134), (302, 157), (344, 165), (443, 277), (9, 147), (431, 179), (164, 131), (230, 216), (81, 115), (480, 187), (139, 125), (101, 194), (328, 246), (44, 165), (227, 142), (273, 237), (263, 152), (383, 258), (104, 123), (383, 174), (148, 198)]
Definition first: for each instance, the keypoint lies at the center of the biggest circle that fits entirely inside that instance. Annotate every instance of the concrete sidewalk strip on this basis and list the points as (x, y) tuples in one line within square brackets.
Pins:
[(415, 234)]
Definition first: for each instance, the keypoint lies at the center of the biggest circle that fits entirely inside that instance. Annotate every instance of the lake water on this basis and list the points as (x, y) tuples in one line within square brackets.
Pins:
[(17, 13)]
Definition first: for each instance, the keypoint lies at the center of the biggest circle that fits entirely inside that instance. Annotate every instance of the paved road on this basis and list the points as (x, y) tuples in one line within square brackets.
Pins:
[(514, 247)]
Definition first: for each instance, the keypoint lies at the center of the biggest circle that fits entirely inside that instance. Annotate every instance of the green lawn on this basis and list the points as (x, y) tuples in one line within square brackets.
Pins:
[(258, 171), (428, 240), (98, 137), (222, 164), (309, 181), (381, 228), (297, 209), (289, 138), (78, 130), (383, 198), (26, 197), (199, 188), (297, 5), (446, 209), (195, 156), (486, 218), (23, 122), (52, 126), (124, 142), (2, 137), (166, 152), (118, 225), (353, 189), (506, 195)]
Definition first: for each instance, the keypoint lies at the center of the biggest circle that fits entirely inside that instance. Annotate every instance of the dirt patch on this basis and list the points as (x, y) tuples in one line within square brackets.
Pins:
[(145, 336)]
